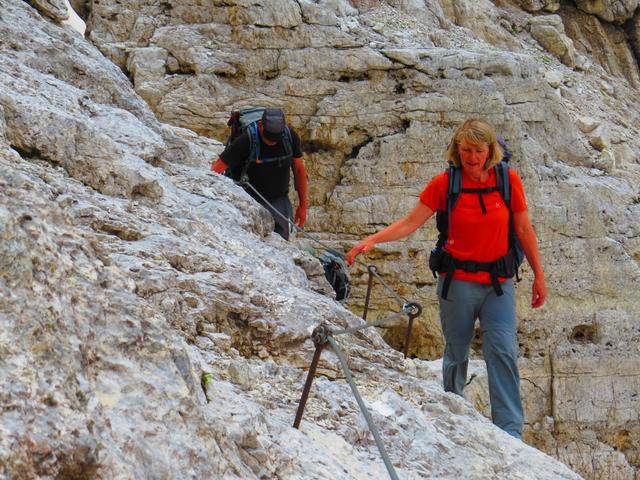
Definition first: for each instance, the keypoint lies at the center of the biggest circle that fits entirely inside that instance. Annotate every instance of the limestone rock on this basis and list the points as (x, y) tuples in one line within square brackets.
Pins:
[(548, 30), (599, 138), (54, 9), (609, 10), (554, 78), (606, 161), (537, 5), (149, 271), (482, 19), (376, 117), (632, 28), (624, 154), (587, 124), (326, 12), (144, 328), (606, 44), (3, 126)]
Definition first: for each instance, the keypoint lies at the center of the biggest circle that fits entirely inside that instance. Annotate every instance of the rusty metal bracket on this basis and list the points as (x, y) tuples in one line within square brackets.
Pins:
[(320, 339), (413, 310), (323, 336), (372, 271)]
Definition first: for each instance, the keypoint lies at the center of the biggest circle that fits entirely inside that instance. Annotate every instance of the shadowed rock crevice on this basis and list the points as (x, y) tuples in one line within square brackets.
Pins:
[(632, 30), (315, 146), (359, 77), (353, 154), (29, 153), (584, 334)]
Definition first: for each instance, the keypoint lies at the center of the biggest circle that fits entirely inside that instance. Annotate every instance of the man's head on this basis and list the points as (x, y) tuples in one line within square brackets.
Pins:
[(273, 124)]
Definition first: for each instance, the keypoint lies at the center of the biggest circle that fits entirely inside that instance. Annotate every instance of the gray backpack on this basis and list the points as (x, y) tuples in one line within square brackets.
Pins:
[(336, 273)]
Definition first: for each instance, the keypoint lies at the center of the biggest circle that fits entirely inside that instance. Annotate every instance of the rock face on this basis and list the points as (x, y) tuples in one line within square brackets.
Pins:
[(376, 94), (537, 5), (608, 45), (633, 32), (184, 332), (152, 327), (548, 30), (54, 9), (609, 10)]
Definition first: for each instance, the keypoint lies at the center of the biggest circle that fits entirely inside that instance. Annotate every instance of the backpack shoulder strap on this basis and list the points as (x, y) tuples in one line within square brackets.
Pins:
[(453, 192), (503, 183), (455, 187), (288, 142), (254, 142), (254, 150)]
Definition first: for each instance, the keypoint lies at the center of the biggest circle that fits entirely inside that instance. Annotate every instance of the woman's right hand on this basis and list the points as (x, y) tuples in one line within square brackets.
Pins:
[(364, 246), (397, 230)]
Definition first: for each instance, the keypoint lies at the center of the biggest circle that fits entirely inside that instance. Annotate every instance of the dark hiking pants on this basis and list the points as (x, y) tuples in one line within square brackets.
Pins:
[(282, 207)]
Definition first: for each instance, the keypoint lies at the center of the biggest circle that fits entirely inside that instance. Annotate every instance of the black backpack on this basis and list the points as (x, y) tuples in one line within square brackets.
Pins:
[(335, 271), (507, 266), (246, 120)]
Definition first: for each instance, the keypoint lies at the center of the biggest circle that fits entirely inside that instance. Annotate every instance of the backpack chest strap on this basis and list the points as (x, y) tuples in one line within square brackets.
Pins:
[(287, 143), (481, 191), (261, 161)]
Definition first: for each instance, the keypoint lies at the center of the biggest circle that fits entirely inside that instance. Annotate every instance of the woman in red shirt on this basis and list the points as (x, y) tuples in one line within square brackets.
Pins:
[(478, 232)]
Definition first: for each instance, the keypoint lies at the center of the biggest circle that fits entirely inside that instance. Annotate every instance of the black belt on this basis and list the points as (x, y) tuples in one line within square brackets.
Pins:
[(442, 261)]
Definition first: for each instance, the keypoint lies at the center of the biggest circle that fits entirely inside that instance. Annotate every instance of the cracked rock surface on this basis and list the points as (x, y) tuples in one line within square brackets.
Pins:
[(153, 328), (376, 88)]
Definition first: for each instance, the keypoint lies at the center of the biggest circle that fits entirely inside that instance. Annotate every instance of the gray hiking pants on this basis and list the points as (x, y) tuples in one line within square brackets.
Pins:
[(465, 302)]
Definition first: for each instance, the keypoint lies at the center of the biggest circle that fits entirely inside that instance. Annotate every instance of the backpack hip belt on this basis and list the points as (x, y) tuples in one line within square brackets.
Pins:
[(505, 267)]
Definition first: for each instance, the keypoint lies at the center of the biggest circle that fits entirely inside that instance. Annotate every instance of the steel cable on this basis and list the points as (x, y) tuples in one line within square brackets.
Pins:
[(407, 309), (377, 323), (395, 294), (363, 408)]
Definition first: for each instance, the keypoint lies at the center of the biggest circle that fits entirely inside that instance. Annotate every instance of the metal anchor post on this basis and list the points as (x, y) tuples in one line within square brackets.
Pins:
[(372, 270), (413, 310), (320, 340)]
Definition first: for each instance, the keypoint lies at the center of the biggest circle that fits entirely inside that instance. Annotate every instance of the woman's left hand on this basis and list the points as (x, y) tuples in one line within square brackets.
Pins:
[(539, 292)]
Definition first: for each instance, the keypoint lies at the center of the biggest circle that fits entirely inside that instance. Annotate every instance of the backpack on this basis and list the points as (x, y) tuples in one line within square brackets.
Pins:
[(335, 271), (506, 266), (246, 121)]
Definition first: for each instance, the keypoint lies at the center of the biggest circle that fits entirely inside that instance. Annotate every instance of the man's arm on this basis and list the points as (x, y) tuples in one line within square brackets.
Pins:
[(219, 166), (300, 182), (233, 155)]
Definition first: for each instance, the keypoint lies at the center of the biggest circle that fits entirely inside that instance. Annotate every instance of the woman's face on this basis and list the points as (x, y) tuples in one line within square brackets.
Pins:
[(473, 157)]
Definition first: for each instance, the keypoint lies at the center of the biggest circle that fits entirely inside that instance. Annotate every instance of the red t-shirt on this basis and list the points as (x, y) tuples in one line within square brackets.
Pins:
[(472, 234)]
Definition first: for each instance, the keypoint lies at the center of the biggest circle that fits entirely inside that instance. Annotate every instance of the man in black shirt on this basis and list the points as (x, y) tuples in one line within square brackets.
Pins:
[(269, 173)]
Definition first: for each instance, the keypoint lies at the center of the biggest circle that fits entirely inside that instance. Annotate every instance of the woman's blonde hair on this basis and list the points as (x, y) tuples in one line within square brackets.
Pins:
[(476, 132)]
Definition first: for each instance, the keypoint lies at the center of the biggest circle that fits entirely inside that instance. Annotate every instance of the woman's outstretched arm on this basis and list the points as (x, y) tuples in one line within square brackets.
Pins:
[(397, 230)]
